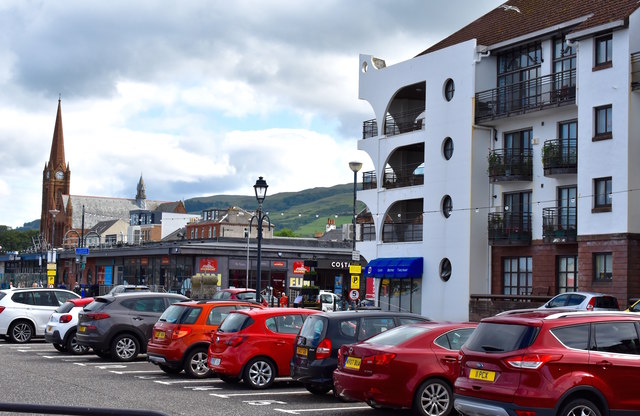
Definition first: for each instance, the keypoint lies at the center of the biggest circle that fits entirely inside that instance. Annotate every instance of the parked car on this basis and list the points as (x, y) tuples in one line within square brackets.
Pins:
[(128, 288), (238, 294), (635, 307), (410, 366), (182, 335), (119, 326), (322, 335), (62, 326), (24, 313), (256, 345), (587, 301), (545, 362)]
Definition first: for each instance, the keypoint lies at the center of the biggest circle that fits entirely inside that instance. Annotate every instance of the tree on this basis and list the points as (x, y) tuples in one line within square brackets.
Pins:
[(285, 232), (14, 240)]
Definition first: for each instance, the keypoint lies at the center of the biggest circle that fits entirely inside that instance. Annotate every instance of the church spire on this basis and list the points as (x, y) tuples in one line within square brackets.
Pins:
[(56, 158), (141, 196)]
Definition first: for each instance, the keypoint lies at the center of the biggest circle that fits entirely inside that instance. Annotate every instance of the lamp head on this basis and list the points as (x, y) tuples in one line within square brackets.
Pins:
[(261, 189), (355, 166)]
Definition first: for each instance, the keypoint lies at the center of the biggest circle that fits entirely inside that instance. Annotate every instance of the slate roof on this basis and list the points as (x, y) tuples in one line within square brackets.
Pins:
[(505, 23), (103, 226)]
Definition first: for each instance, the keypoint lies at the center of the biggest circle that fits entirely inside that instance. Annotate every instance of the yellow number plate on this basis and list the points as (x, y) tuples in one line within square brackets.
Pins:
[(482, 375), (302, 351), (160, 334), (353, 363), (82, 328)]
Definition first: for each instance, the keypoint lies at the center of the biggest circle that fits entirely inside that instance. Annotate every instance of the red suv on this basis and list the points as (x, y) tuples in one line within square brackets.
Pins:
[(551, 362), (181, 337), (256, 345)]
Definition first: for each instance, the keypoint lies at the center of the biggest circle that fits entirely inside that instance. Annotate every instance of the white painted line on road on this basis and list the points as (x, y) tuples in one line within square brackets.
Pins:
[(202, 388), (102, 363), (263, 393), (325, 409), (137, 372), (22, 349), (181, 381), (64, 357)]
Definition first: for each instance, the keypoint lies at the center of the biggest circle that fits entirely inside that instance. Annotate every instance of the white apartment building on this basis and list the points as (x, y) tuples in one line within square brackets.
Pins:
[(505, 159)]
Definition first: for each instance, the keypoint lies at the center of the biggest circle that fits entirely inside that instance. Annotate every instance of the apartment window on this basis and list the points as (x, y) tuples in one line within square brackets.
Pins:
[(517, 274), (602, 194), (447, 148), (602, 267), (449, 89), (604, 51), (445, 269), (603, 122), (518, 70), (564, 68), (210, 232), (567, 270), (447, 206), (110, 239)]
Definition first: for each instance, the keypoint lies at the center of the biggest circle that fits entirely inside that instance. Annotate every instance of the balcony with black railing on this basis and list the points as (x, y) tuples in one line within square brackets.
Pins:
[(635, 71), (506, 228), (526, 96), (559, 225), (369, 180), (510, 165), (395, 124), (401, 178), (560, 156)]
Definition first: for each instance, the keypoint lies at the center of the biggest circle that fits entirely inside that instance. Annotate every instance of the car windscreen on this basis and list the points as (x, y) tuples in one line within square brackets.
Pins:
[(398, 335), (496, 337), (235, 322), (313, 330), (96, 305), (180, 314), (65, 307)]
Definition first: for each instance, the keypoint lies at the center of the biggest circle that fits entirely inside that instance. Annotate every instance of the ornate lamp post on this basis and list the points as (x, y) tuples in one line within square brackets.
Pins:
[(260, 189), (355, 167), (53, 213)]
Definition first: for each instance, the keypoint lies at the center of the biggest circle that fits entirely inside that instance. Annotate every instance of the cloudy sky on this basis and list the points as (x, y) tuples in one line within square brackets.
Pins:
[(200, 97)]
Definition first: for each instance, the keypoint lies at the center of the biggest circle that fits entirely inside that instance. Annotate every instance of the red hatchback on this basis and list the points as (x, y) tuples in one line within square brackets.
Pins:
[(551, 362), (180, 339), (411, 366), (256, 345)]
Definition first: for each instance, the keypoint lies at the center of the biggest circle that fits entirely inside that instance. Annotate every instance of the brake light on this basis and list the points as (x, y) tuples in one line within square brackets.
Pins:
[(96, 316), (591, 304), (532, 361), (340, 357), (380, 359), (1, 309), (525, 412), (180, 332), (65, 318), (324, 349), (235, 341)]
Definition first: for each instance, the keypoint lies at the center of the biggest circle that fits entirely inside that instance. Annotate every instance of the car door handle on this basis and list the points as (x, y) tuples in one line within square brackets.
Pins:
[(450, 359), (137, 318), (604, 363)]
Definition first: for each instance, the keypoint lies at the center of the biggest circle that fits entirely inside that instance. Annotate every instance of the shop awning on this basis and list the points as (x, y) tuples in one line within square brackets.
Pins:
[(395, 268)]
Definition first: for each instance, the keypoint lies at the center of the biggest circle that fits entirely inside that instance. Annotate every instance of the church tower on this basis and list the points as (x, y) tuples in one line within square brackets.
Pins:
[(56, 178)]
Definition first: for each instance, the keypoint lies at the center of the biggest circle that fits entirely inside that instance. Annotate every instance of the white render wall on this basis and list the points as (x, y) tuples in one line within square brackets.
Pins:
[(173, 221)]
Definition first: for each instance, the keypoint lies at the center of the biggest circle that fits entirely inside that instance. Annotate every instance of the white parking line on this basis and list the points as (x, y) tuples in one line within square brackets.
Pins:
[(64, 357), (136, 372), (321, 409), (263, 393), (102, 363), (181, 381), (23, 349)]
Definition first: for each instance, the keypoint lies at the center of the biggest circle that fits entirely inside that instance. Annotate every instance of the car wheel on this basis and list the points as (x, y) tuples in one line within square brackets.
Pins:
[(319, 390), (169, 370), (103, 354), (60, 347), (580, 407), (433, 398), (73, 347), (228, 379), (125, 347), (259, 373), (21, 332), (195, 364)]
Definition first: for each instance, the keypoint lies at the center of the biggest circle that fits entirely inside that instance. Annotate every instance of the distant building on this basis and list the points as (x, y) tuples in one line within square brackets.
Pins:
[(231, 222)]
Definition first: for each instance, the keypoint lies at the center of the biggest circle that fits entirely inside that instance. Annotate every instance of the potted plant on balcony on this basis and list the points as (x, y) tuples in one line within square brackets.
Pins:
[(496, 166), (551, 154)]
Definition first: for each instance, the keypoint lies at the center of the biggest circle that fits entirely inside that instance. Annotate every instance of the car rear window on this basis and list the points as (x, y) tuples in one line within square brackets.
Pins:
[(65, 307), (217, 314), (235, 322), (180, 314), (495, 337), (575, 300), (608, 302), (398, 335), (96, 305), (575, 336), (313, 330), (221, 295), (246, 296)]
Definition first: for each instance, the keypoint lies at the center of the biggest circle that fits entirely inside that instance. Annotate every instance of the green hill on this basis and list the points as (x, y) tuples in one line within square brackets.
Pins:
[(305, 212)]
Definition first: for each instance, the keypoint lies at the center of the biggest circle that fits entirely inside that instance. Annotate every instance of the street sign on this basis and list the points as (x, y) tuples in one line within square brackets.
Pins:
[(82, 251), (354, 294), (355, 281), (51, 280), (355, 269), (355, 255)]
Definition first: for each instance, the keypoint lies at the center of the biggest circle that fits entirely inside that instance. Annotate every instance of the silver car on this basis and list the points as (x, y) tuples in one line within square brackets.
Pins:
[(585, 301)]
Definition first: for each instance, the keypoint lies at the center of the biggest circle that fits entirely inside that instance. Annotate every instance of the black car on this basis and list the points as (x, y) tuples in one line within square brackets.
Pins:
[(120, 326), (322, 335)]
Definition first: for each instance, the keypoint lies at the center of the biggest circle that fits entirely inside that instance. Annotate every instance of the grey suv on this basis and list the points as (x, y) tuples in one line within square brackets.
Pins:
[(120, 326)]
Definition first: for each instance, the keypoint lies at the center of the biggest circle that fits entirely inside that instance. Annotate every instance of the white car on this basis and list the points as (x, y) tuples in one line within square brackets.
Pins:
[(62, 327), (24, 313), (585, 301)]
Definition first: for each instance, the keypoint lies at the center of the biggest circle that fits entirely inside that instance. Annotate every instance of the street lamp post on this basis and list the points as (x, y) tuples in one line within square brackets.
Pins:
[(355, 167), (261, 192), (53, 213)]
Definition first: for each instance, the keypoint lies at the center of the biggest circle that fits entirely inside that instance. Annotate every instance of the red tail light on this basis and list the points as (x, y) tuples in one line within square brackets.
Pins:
[(340, 357), (532, 361), (97, 316), (235, 341), (65, 318), (180, 332), (380, 359), (1, 309), (525, 413), (591, 304), (323, 350)]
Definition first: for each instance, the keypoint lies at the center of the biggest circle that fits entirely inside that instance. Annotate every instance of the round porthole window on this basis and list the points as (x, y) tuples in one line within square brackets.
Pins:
[(447, 148), (445, 269), (447, 206), (449, 89)]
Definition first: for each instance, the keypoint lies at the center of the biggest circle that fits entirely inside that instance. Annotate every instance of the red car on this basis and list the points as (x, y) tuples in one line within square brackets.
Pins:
[(236, 293), (256, 345), (551, 362), (180, 339), (410, 366)]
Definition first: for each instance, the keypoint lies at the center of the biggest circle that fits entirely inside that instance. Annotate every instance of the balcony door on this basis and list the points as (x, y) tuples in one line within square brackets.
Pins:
[(567, 203), (518, 73), (517, 211), (568, 135), (517, 150)]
